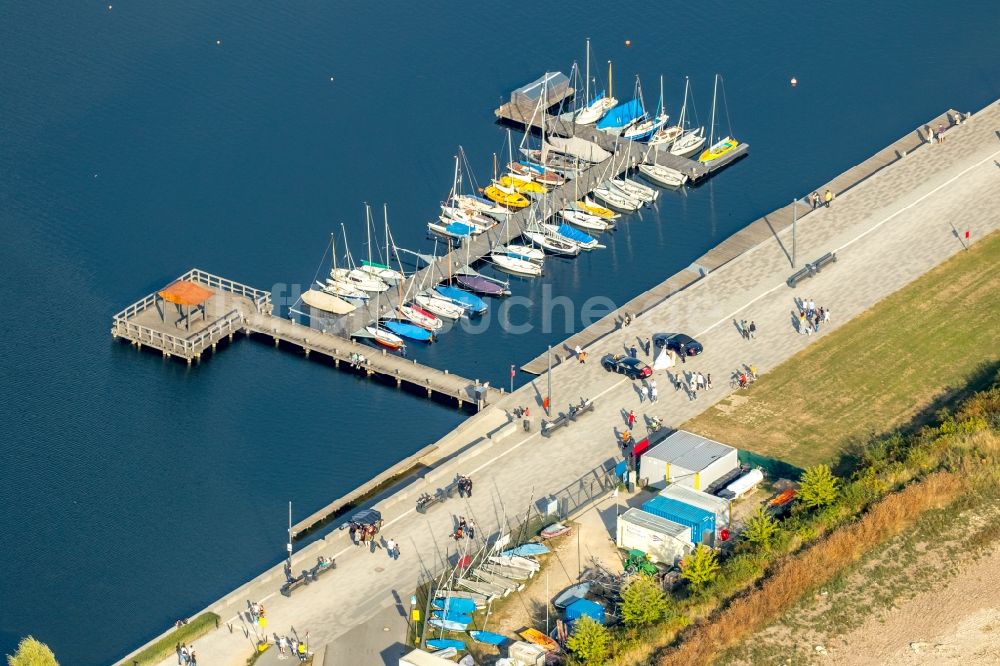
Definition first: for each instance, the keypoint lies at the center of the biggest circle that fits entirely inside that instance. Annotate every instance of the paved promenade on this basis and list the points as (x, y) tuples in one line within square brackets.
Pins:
[(887, 231)]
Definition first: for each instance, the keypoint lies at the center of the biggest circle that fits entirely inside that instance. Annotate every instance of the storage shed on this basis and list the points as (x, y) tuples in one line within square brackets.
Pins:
[(700, 521), (555, 86), (717, 505), (661, 539), (687, 459)]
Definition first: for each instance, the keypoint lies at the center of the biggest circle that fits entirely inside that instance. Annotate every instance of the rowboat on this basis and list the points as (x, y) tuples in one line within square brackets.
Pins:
[(420, 317), (555, 530), (579, 218), (359, 279), (327, 302), (439, 306), (506, 196), (661, 175), (515, 265), (538, 638), (384, 337)]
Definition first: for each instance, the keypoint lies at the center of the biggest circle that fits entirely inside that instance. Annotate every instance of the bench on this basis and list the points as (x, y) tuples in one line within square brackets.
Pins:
[(811, 269), (293, 584), (554, 424)]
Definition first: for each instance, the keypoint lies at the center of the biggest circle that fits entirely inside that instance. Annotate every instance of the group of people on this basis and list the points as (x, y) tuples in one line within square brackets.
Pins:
[(363, 532), (294, 647), (816, 201), (748, 331), (256, 612), (648, 391), (465, 528), (464, 484), (186, 655), (746, 376), (357, 360), (810, 317)]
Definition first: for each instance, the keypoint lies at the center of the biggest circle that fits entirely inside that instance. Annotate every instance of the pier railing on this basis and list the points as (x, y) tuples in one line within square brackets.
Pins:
[(172, 344), (260, 298)]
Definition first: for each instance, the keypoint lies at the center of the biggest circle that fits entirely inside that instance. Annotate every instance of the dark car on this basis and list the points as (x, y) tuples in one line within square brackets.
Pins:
[(675, 342), (632, 368)]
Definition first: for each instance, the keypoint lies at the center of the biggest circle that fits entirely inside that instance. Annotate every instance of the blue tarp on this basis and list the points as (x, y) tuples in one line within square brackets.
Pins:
[(582, 607), (459, 229), (574, 234), (487, 637), (455, 605), (467, 300), (445, 643), (527, 550), (406, 330), (621, 115), (621, 468)]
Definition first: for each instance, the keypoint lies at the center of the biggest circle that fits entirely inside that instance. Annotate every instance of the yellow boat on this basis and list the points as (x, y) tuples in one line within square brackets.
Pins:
[(523, 186), (718, 149), (599, 211), (540, 639), (502, 196)]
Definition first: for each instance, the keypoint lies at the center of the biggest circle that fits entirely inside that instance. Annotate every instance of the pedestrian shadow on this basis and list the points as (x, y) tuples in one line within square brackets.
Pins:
[(624, 415), (795, 321)]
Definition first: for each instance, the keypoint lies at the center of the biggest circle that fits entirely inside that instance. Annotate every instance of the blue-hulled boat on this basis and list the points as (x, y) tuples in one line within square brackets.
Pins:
[(407, 330), (472, 303), (455, 604), (487, 637), (460, 618), (445, 643)]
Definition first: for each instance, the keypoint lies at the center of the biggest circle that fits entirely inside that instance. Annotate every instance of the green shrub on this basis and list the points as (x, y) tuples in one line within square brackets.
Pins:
[(700, 567), (166, 646), (590, 641), (817, 487), (643, 602), (32, 652)]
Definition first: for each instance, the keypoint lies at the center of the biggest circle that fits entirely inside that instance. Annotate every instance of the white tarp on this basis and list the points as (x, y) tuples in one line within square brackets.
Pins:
[(574, 146), (663, 361)]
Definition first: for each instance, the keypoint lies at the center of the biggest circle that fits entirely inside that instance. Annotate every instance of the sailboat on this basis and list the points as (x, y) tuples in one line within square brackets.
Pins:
[(357, 278), (663, 176), (572, 235), (634, 190), (524, 185), (623, 116), (693, 139), (342, 290), (379, 270), (439, 306), (549, 242), (525, 252), (665, 135), (717, 149), (385, 337), (405, 329), (600, 103), (584, 220), (643, 128), (591, 206), (616, 199), (515, 265), (467, 301), (506, 196)]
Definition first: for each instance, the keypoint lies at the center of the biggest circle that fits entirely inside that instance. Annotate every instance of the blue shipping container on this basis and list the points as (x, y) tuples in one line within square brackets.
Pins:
[(700, 521)]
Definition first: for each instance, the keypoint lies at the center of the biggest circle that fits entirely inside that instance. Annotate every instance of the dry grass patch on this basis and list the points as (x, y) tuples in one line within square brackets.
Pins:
[(878, 371)]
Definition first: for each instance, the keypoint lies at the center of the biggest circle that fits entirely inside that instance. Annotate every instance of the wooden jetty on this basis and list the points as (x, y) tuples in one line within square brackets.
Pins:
[(191, 315)]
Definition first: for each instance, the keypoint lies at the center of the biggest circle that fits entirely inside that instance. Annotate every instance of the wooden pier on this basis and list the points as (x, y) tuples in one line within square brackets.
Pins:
[(229, 307)]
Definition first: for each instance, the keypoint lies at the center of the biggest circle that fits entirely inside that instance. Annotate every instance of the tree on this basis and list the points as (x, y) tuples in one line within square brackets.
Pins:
[(32, 652), (760, 528), (700, 567), (817, 487), (643, 602), (590, 641)]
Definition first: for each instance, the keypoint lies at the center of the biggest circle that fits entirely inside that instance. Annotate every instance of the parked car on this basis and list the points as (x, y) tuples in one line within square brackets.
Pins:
[(632, 368), (675, 342)]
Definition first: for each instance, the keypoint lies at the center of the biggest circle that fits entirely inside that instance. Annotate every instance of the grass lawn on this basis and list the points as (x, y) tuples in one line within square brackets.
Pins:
[(895, 364)]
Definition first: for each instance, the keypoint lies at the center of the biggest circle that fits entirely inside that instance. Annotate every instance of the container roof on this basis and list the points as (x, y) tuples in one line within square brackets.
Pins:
[(533, 90), (695, 514), (695, 497), (645, 519), (688, 450)]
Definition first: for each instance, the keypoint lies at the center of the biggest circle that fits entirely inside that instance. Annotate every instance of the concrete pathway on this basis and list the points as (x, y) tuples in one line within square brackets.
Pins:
[(887, 231)]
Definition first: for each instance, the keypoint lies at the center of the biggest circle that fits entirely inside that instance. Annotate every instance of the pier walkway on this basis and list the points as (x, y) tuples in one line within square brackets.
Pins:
[(230, 307), (888, 230)]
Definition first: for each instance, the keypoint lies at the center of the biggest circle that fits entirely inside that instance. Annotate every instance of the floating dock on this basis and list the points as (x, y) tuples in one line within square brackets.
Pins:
[(193, 314)]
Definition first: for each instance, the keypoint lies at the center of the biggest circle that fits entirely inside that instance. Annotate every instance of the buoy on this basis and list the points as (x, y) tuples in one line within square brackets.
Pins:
[(794, 82), (109, 8), (218, 42), (628, 42)]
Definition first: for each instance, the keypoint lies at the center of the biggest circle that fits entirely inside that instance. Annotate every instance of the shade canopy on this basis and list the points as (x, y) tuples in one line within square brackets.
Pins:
[(183, 292)]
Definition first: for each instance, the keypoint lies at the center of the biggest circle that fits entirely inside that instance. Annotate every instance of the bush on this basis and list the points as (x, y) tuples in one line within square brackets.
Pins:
[(167, 645), (32, 652), (818, 487), (700, 567), (643, 602), (590, 641), (761, 528)]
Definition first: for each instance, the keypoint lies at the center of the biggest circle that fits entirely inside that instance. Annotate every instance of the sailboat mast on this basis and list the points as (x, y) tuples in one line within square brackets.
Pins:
[(684, 107), (711, 133), (454, 180), (611, 87), (586, 101), (333, 253), (368, 229), (662, 109)]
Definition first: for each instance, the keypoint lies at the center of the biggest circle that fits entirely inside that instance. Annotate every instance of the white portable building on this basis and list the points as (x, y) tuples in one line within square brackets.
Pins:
[(717, 505), (421, 658), (663, 540), (687, 459)]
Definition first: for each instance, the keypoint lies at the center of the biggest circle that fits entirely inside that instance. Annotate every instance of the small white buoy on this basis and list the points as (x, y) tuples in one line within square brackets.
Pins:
[(331, 78), (794, 82), (218, 42), (109, 7), (628, 43)]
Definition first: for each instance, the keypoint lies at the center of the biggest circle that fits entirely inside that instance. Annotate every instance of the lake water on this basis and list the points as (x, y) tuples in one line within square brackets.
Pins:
[(133, 146)]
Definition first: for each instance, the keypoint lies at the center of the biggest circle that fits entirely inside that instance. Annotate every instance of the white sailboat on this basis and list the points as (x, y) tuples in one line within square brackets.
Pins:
[(439, 306), (601, 104), (357, 278), (515, 265), (644, 128), (587, 221), (663, 176), (380, 270), (665, 135), (693, 139), (634, 190), (342, 290), (554, 232), (524, 252), (616, 199)]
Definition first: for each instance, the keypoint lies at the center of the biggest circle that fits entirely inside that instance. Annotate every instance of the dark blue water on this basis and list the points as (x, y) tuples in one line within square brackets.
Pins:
[(133, 147)]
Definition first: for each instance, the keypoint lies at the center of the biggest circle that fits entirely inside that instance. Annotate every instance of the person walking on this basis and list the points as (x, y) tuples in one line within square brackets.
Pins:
[(812, 307), (580, 354), (683, 353), (193, 656), (826, 314), (390, 548), (652, 390), (828, 197), (632, 352), (701, 381), (708, 381), (643, 393), (468, 487), (744, 329), (182, 654), (282, 645), (470, 529), (631, 418), (802, 322), (753, 330), (648, 345)]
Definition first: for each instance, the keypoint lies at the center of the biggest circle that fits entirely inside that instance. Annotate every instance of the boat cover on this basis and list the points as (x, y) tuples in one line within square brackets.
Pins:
[(445, 643), (575, 234), (575, 146), (621, 115), (481, 284), (585, 607), (455, 605), (458, 229), (468, 300), (408, 330), (527, 549), (326, 302)]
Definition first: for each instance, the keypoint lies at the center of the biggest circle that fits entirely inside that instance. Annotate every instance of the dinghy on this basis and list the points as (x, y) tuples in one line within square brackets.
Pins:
[(444, 644), (506, 196), (499, 581), (491, 591), (513, 573), (538, 638), (448, 625), (527, 550), (479, 599), (461, 618), (327, 302), (487, 637), (516, 561), (571, 594), (455, 605), (554, 530)]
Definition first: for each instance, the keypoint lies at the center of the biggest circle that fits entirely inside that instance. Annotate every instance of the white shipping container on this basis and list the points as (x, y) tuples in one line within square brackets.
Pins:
[(717, 505), (421, 658), (663, 540)]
